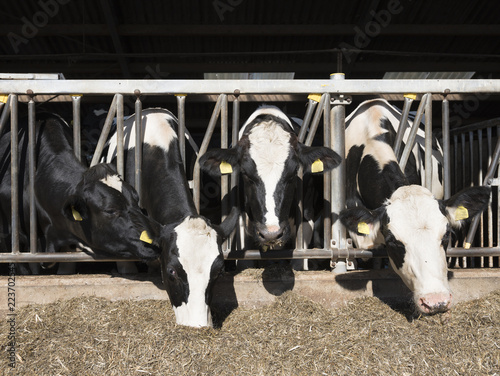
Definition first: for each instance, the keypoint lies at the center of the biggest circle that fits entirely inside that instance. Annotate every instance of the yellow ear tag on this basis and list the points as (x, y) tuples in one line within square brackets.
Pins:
[(363, 228), (145, 237), (314, 97), (225, 168), (77, 216), (461, 213), (317, 166), (3, 98)]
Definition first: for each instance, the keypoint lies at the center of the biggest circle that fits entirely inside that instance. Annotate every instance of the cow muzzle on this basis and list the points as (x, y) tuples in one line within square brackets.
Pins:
[(430, 304), (271, 236)]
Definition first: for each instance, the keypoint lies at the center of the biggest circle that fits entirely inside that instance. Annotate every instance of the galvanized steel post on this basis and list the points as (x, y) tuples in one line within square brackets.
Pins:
[(76, 100), (403, 124), (31, 167), (138, 145), (119, 136), (428, 143), (14, 173), (446, 148), (337, 141), (181, 118)]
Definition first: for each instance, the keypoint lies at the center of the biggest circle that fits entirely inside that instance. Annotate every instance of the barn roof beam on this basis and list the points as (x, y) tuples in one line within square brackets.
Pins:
[(435, 30)]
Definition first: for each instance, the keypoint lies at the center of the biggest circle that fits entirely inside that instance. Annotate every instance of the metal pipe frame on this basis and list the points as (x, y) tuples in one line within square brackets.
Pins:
[(311, 105), (334, 117), (76, 100), (428, 143), (138, 148), (181, 118), (403, 124), (5, 113), (166, 87), (413, 133), (446, 148), (31, 172)]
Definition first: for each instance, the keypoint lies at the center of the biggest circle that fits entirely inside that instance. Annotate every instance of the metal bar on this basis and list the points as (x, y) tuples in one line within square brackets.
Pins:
[(304, 86), (224, 142), (138, 148), (14, 174), (446, 149), (299, 212), (77, 140), (413, 133), (403, 124), (181, 118), (428, 144), (104, 133), (203, 149), (120, 165), (235, 199), (307, 119), (327, 177), (31, 167), (5, 114), (487, 182), (315, 121), (314, 253)]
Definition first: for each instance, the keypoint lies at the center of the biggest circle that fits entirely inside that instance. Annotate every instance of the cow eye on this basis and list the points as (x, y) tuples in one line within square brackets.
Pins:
[(172, 272)]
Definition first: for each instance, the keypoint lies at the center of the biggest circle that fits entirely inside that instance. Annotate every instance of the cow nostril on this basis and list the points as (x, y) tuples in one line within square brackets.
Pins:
[(271, 233)]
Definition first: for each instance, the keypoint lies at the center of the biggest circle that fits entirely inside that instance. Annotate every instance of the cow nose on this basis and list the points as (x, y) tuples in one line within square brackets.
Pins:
[(271, 232), (434, 303)]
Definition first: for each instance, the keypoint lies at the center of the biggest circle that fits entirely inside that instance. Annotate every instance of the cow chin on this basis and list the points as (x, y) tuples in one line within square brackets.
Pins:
[(195, 317)]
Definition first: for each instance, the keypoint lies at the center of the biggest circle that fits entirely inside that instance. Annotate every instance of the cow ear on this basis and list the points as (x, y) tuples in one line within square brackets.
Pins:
[(229, 223), (75, 209), (464, 205), (317, 159), (217, 162), (362, 221)]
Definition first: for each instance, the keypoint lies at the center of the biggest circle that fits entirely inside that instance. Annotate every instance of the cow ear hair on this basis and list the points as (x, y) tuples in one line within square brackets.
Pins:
[(464, 205), (229, 223), (217, 162), (361, 220), (75, 209), (317, 159)]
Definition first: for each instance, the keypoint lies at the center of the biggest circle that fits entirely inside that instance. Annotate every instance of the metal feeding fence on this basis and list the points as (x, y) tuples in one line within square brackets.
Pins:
[(470, 154)]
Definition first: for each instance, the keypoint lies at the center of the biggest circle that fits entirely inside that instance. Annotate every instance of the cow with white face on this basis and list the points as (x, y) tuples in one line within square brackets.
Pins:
[(191, 258), (384, 207), (268, 155)]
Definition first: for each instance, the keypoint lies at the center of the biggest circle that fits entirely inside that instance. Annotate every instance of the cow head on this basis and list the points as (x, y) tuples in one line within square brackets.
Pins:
[(268, 155), (104, 213), (191, 261), (416, 228)]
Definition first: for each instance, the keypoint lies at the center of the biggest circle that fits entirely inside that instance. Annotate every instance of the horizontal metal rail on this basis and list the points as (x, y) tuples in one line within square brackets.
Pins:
[(242, 87), (252, 254)]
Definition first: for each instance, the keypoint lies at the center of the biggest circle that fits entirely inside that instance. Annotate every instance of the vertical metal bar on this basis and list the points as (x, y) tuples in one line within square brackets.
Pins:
[(480, 174), (14, 173), (104, 133), (31, 167), (446, 149), (181, 117), (403, 124), (224, 142), (464, 160), (5, 114), (338, 179), (315, 121), (120, 166), (307, 119), (327, 178), (138, 147), (490, 214), (428, 143), (77, 141), (203, 149), (455, 160), (234, 176), (299, 214), (413, 133)]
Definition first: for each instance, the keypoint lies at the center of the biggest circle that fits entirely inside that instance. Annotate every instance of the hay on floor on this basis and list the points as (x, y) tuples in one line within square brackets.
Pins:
[(292, 336)]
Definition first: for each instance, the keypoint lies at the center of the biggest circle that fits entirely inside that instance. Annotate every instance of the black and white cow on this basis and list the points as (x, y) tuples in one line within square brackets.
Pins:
[(268, 155), (192, 258), (76, 207), (384, 205)]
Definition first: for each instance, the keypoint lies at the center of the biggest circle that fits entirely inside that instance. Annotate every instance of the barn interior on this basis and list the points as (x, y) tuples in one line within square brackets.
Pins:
[(242, 39)]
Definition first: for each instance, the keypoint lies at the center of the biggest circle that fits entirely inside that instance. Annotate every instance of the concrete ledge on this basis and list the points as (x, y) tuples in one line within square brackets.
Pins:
[(247, 289)]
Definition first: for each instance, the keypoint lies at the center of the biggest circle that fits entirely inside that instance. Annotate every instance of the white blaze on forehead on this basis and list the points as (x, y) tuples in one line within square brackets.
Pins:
[(198, 249), (113, 181), (262, 111), (269, 149), (156, 131), (416, 220)]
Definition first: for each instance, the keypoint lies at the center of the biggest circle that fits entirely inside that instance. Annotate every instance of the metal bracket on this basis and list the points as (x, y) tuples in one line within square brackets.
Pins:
[(340, 99)]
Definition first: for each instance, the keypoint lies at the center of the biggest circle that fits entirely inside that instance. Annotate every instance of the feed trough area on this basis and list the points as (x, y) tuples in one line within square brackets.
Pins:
[(291, 336)]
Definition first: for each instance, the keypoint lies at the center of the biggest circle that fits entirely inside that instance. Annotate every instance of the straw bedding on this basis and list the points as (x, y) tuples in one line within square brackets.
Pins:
[(292, 336)]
